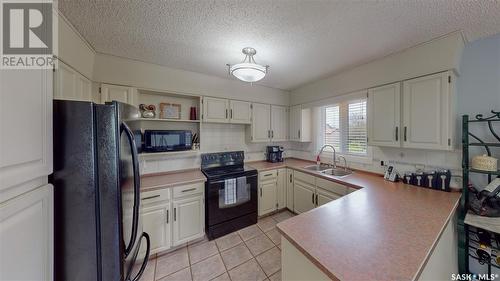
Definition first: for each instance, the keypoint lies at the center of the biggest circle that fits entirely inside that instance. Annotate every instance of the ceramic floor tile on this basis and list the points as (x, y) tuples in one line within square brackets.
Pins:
[(223, 277), (259, 244), (202, 251), (208, 268), (181, 275), (281, 216), (171, 262), (228, 241), (250, 270), (275, 277), (270, 261), (149, 271), (236, 256), (275, 236), (266, 224), (198, 241), (249, 232)]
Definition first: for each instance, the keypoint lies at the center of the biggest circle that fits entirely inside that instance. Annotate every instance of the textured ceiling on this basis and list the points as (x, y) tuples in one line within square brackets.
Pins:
[(302, 41)]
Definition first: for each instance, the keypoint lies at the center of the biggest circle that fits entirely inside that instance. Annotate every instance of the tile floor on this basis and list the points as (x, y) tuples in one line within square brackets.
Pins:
[(250, 254)]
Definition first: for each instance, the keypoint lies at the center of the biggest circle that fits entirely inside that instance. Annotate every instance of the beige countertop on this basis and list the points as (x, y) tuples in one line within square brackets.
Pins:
[(157, 181), (384, 231)]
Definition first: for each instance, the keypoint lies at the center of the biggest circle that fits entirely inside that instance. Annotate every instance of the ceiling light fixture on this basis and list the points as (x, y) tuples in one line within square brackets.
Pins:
[(248, 70)]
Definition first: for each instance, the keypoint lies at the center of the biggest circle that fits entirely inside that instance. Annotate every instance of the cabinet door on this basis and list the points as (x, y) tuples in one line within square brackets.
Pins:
[(189, 219), (300, 124), (384, 107), (261, 122), (240, 112), (281, 189), (117, 93), (426, 107), (26, 236), (26, 128), (303, 197), (324, 197), (279, 123), (156, 223), (267, 197), (215, 110), (71, 85), (294, 124), (289, 189)]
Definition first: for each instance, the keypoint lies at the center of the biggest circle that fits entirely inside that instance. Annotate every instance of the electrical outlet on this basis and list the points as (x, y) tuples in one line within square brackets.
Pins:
[(382, 163)]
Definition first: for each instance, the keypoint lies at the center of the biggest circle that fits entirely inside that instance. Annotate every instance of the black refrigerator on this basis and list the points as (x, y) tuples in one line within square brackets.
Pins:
[(97, 228)]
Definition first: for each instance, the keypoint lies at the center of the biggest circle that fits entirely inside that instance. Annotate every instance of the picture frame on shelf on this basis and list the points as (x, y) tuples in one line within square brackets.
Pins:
[(170, 111)]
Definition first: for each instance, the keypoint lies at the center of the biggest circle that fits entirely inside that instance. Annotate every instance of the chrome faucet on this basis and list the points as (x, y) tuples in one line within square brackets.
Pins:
[(345, 162), (334, 154)]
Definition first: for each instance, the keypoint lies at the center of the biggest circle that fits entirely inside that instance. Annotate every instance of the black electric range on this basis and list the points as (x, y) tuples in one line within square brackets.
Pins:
[(230, 193)]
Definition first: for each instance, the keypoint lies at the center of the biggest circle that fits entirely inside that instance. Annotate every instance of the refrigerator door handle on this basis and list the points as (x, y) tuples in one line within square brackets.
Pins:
[(137, 186), (144, 262)]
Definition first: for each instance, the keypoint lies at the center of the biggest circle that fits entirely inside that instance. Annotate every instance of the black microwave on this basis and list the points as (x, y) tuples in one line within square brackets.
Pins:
[(167, 140)]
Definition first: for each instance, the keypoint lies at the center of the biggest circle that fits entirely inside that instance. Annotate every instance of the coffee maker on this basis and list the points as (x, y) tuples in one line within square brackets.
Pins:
[(274, 153)]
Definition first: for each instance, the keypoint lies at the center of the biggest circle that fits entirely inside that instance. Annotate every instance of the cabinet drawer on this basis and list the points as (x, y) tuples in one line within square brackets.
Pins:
[(187, 190), (154, 196), (309, 179), (268, 175), (331, 186)]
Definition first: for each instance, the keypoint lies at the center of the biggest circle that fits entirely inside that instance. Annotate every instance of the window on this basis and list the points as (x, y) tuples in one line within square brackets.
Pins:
[(344, 127)]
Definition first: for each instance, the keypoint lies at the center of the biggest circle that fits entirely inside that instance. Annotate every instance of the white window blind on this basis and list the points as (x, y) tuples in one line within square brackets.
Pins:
[(332, 126), (344, 127), (356, 139)]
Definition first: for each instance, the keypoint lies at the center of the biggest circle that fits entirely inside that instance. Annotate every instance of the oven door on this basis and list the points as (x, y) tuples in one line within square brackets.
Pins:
[(231, 198)]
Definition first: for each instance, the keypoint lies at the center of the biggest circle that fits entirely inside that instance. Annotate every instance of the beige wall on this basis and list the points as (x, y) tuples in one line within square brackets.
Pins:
[(73, 49), (116, 70), (441, 54)]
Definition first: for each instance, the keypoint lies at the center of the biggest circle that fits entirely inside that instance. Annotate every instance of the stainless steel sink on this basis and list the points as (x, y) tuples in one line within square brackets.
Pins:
[(318, 168), (337, 172)]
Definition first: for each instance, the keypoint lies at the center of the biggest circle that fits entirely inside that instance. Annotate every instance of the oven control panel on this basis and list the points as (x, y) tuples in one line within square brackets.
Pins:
[(221, 159)]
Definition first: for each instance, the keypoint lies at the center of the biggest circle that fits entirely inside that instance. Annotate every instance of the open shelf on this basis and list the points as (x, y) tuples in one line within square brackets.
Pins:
[(485, 172), (486, 223), (168, 120), (171, 153)]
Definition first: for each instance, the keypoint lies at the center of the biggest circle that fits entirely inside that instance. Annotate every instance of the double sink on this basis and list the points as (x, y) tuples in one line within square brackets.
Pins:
[(328, 170)]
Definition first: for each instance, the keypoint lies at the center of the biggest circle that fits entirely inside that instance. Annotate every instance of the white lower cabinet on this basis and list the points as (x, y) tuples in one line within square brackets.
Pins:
[(173, 215), (26, 236), (188, 219), (310, 192), (303, 197), (156, 222), (272, 191), (289, 189)]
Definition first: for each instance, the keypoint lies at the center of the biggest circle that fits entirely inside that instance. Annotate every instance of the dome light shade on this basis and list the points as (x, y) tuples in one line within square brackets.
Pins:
[(248, 70)]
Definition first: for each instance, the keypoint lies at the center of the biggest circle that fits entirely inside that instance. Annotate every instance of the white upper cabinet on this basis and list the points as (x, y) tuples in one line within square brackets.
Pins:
[(240, 112), (427, 112), (215, 110), (117, 93), (279, 123), (26, 128), (300, 124), (260, 128), (71, 85), (384, 108)]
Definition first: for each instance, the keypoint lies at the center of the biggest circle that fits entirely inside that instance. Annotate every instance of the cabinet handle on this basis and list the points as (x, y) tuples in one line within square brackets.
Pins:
[(269, 134), (168, 216), (226, 113), (397, 133), (231, 113), (404, 133), (175, 214), (150, 197), (267, 175), (316, 199), (290, 178), (260, 192), (299, 134), (313, 198), (187, 190)]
